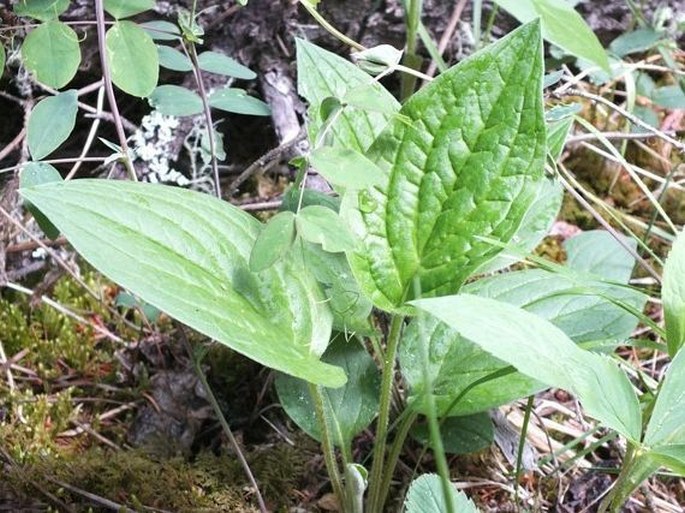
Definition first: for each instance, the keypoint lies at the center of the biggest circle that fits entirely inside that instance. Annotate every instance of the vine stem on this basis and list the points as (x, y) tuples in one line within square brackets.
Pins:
[(388, 374), (327, 443), (116, 117)]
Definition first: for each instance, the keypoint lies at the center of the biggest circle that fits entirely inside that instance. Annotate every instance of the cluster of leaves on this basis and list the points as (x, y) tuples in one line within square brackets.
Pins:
[(433, 193)]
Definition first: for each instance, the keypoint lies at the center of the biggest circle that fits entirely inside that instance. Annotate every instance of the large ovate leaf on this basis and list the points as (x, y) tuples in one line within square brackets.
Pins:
[(350, 408), (43, 10), (321, 75), (540, 350), (562, 26), (465, 162), (51, 122), (125, 8), (133, 59), (667, 423), (426, 495), (51, 51), (673, 295), (584, 307), (187, 254)]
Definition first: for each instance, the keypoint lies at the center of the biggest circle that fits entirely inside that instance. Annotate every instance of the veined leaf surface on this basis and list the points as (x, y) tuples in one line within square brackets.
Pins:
[(673, 295), (464, 160), (187, 254)]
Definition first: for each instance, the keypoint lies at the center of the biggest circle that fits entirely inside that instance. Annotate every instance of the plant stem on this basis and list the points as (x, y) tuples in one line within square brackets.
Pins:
[(192, 53), (327, 444), (330, 28), (197, 364), (406, 422), (387, 379), (116, 117), (521, 447), (411, 59), (635, 469)]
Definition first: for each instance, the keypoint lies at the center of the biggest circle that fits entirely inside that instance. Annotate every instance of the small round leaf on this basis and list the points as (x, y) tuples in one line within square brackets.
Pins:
[(43, 10), (52, 53), (238, 101), (125, 8), (50, 123), (36, 173), (174, 100), (133, 59), (221, 64), (160, 30), (172, 59), (273, 242)]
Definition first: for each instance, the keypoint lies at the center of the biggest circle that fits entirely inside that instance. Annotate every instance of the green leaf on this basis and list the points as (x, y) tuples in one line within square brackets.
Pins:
[(174, 100), (52, 53), (583, 307), (239, 102), (273, 242), (671, 456), (667, 423), (321, 225), (291, 199), (51, 122), (187, 254), (133, 59), (345, 169), (172, 59), (557, 132), (221, 64), (673, 295), (467, 164), (562, 26), (161, 30), (351, 309), (597, 252), (124, 8), (425, 495), (43, 10), (637, 41), (2, 60), (669, 97), (351, 408), (36, 173), (322, 74), (461, 435), (539, 349)]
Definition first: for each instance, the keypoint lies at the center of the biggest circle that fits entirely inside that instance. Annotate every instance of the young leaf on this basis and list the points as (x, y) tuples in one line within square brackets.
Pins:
[(172, 59), (187, 254), (425, 495), (51, 122), (541, 350), (161, 30), (43, 10), (322, 74), (174, 100), (345, 169), (351, 407), (36, 173), (673, 295), (132, 57), (562, 26), (667, 423), (124, 8), (461, 435), (52, 53), (221, 64), (239, 102), (320, 225), (467, 164), (671, 456), (273, 242)]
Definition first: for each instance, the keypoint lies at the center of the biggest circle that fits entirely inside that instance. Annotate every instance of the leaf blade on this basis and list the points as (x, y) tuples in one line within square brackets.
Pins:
[(132, 58), (51, 122), (52, 53)]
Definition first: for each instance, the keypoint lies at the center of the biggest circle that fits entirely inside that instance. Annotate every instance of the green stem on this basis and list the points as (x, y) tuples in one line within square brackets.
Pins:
[(327, 444), (406, 422), (521, 447), (330, 28), (635, 469), (387, 378), (411, 59)]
